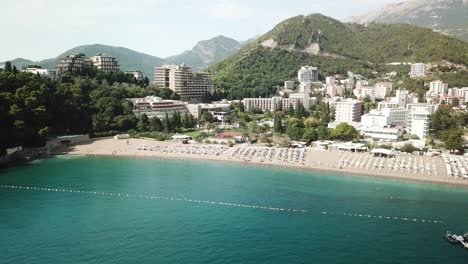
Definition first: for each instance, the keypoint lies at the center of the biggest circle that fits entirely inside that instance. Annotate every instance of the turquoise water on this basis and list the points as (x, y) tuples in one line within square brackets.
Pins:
[(59, 226)]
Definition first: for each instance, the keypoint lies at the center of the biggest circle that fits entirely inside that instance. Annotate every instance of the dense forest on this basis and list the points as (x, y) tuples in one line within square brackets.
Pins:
[(33, 107)]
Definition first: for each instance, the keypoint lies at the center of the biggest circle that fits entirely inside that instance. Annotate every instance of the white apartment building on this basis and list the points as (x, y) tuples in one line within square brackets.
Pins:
[(308, 74), (266, 104), (36, 70), (275, 103), (389, 134), (438, 88), (330, 80), (299, 98), (385, 104), (383, 89), (375, 118), (138, 75), (403, 97), (289, 85), (348, 111), (385, 117), (105, 64), (363, 92), (461, 93), (335, 90), (419, 116), (191, 87), (418, 70), (154, 106)]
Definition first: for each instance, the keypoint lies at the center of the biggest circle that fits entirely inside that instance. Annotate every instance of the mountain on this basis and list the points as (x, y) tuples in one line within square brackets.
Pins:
[(446, 16), (206, 52), (334, 47), (202, 55)]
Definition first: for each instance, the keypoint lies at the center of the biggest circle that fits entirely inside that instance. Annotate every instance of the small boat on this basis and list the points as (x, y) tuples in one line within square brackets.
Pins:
[(451, 237)]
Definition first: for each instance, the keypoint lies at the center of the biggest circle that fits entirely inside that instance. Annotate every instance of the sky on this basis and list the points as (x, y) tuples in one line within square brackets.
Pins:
[(42, 29)]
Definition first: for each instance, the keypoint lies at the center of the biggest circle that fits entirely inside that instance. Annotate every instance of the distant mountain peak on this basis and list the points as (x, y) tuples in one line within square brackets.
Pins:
[(445, 16), (207, 52)]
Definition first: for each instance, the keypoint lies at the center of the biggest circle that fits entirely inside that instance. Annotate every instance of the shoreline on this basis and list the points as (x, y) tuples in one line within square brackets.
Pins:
[(113, 148)]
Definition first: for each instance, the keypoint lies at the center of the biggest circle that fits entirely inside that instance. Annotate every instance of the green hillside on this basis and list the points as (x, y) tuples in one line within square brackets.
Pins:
[(334, 46)]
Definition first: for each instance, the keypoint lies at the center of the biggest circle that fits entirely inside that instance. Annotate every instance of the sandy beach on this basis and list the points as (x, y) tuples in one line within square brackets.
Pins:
[(404, 167)]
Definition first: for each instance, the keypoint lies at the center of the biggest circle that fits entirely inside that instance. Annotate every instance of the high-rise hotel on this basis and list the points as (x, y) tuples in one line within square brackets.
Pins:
[(191, 86)]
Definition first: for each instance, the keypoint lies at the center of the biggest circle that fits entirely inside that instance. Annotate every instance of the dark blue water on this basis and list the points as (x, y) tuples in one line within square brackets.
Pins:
[(41, 226)]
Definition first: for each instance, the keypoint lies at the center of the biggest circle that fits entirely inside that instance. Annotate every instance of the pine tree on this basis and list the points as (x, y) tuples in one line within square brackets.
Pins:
[(8, 67), (167, 124), (241, 107), (290, 111), (299, 112), (278, 124), (176, 120), (192, 122), (185, 121), (156, 125), (143, 123)]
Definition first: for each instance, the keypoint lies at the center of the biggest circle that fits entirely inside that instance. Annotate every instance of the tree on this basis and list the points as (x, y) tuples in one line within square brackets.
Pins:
[(290, 111), (8, 67), (311, 122), (186, 121), (344, 132), (143, 123), (278, 124), (408, 148), (323, 133), (295, 128), (207, 117), (192, 122), (155, 124), (310, 135), (167, 124), (299, 111), (241, 107), (454, 141), (176, 120), (441, 120), (253, 127)]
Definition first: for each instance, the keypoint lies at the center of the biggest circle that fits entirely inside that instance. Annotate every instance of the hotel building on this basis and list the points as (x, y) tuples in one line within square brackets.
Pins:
[(191, 87), (154, 106), (105, 64), (348, 111), (418, 70), (74, 63)]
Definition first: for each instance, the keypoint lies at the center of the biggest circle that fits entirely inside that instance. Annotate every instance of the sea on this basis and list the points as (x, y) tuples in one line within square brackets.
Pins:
[(70, 209)]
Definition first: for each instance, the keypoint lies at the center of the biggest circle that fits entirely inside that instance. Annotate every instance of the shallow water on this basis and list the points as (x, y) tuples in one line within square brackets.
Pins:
[(121, 210)]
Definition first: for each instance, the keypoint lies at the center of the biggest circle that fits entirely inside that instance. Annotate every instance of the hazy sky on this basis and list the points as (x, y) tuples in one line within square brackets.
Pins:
[(40, 29)]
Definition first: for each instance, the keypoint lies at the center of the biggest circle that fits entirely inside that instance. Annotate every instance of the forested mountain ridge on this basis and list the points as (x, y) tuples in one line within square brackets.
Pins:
[(333, 46)]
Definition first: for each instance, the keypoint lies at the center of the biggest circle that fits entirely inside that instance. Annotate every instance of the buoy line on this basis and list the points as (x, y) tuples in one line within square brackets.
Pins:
[(183, 199)]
